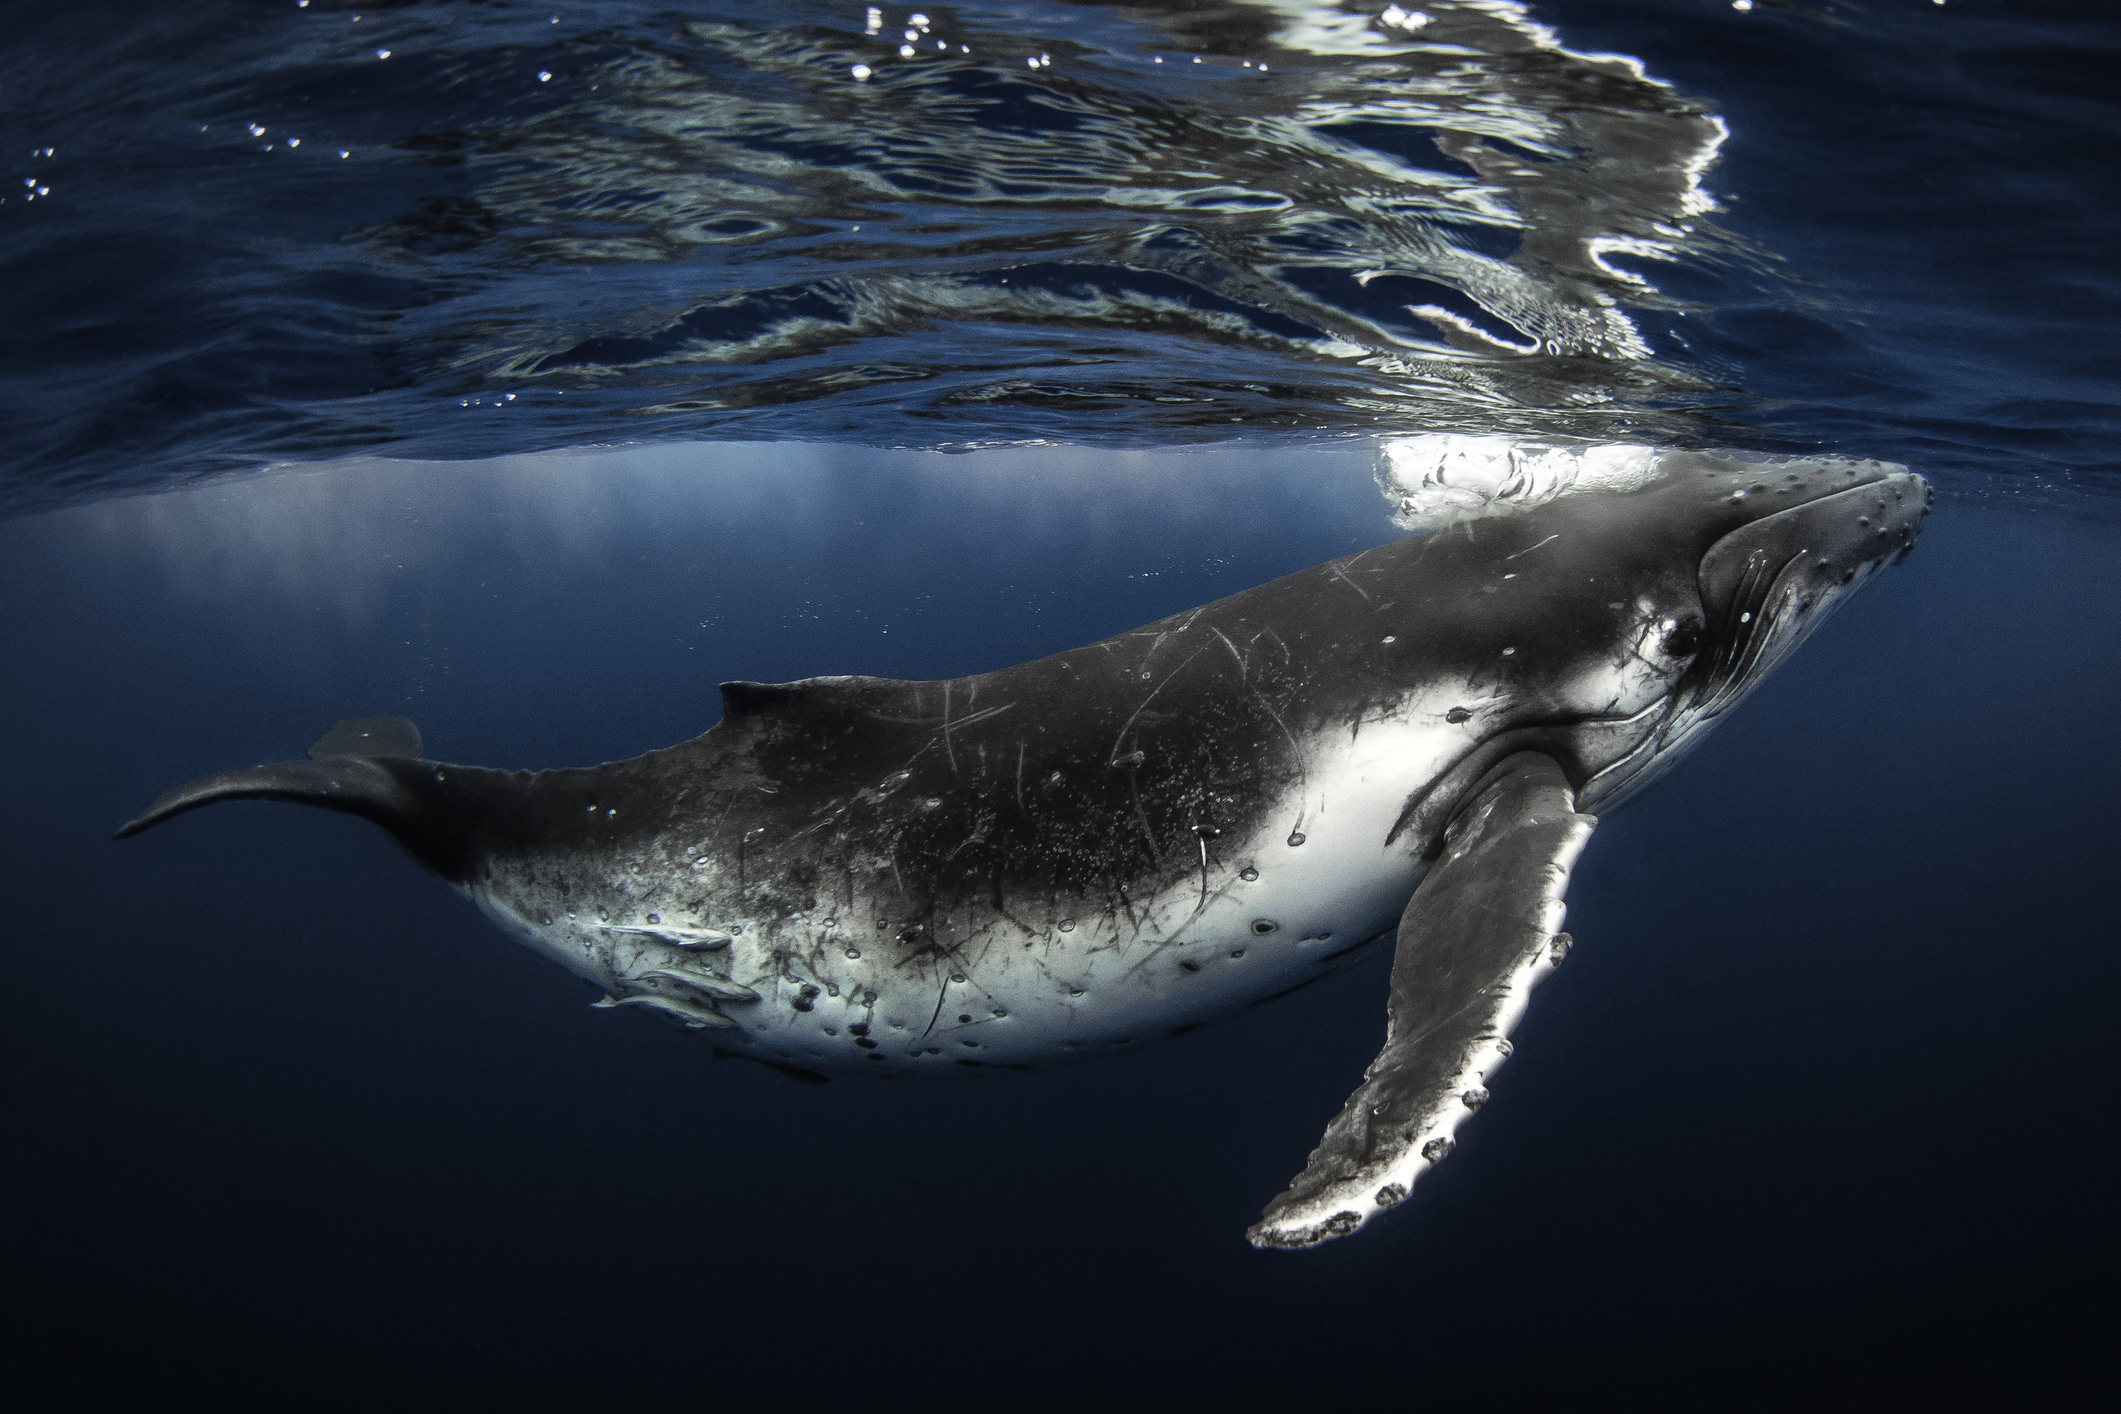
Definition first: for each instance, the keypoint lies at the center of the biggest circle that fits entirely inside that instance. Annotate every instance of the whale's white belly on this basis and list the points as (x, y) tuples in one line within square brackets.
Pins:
[(1046, 981)]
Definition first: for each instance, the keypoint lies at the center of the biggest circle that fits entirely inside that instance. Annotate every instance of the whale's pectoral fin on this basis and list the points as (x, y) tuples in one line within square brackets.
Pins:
[(343, 773), (1479, 932)]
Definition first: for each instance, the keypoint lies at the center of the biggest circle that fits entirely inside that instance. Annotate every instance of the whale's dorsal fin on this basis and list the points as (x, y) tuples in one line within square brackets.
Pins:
[(370, 736), (1479, 932)]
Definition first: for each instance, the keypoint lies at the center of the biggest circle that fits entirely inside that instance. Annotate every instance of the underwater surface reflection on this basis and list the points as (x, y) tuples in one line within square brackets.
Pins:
[(246, 237)]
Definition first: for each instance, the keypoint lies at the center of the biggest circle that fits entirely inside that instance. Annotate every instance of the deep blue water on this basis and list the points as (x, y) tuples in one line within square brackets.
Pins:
[(1818, 1110)]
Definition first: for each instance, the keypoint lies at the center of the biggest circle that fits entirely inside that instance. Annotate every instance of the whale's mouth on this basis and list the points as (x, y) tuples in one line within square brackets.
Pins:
[(1764, 617), (1765, 587), (1762, 621), (1768, 585)]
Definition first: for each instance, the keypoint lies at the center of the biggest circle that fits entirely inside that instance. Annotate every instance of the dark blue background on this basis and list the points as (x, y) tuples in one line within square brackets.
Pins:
[(1818, 1109)]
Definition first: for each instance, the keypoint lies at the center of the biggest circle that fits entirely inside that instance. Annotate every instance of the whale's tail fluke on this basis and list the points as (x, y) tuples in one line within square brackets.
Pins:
[(350, 769)]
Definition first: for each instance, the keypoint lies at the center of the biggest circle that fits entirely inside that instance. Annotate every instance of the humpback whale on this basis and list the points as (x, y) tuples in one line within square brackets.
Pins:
[(1119, 842)]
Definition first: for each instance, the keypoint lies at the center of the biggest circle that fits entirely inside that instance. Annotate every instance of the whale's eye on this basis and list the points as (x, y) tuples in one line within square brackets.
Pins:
[(1683, 638)]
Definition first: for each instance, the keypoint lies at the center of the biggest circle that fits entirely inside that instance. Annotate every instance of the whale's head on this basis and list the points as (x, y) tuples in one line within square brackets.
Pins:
[(1773, 548), (1611, 629)]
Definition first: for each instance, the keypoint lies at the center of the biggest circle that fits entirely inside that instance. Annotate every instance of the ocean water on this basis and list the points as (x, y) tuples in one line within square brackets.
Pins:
[(629, 349)]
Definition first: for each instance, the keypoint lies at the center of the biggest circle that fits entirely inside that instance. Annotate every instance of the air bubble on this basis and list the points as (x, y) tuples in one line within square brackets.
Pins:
[(1248, 874), (1067, 925), (957, 976), (1296, 837), (854, 952), (655, 918), (1075, 991)]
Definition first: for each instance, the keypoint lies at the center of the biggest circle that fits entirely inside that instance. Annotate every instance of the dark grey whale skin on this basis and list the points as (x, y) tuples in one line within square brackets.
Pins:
[(929, 827)]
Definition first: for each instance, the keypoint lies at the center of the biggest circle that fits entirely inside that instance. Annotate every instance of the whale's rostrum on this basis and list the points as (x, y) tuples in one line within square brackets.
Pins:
[(1118, 842)]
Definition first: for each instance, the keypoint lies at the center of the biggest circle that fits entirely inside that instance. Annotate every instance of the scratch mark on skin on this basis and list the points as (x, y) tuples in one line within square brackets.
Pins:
[(907, 768), (819, 824), (1203, 839), (1342, 575), (942, 994), (1530, 548), (1127, 905), (1242, 667), (728, 803), (978, 836), (948, 749), (1112, 757), (980, 716), (1303, 774), (1133, 790), (1020, 773)]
